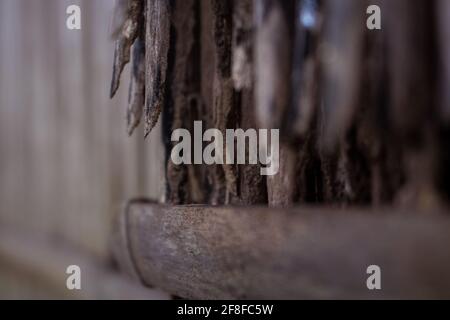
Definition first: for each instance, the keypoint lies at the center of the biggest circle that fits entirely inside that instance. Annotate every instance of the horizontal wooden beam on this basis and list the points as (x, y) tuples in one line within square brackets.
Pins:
[(260, 253)]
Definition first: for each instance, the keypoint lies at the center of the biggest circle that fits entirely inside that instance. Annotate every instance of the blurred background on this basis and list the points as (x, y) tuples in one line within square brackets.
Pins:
[(66, 162)]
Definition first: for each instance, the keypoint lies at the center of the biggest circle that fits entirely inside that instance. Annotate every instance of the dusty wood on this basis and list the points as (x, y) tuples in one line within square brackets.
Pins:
[(273, 55), (157, 41), (412, 116), (216, 185), (212, 252), (341, 55), (136, 99), (351, 130), (443, 11), (224, 107), (305, 71), (242, 60), (273, 52), (252, 185), (126, 33)]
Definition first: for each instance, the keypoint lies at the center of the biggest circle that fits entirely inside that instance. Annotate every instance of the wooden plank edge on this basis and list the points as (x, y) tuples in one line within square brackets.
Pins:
[(201, 252)]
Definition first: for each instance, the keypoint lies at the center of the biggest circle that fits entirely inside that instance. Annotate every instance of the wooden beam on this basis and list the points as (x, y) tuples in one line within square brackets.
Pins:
[(261, 253)]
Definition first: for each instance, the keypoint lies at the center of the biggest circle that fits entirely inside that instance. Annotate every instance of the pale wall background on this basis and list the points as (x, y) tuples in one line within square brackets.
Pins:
[(66, 163)]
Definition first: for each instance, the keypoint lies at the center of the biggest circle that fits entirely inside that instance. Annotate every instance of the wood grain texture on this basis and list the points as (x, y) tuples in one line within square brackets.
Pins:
[(443, 12), (341, 58), (157, 42), (132, 11), (136, 96), (274, 24), (185, 182), (258, 253), (413, 112)]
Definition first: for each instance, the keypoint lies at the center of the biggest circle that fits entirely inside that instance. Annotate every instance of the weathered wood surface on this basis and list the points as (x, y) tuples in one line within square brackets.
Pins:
[(258, 253), (40, 261), (157, 42), (362, 114)]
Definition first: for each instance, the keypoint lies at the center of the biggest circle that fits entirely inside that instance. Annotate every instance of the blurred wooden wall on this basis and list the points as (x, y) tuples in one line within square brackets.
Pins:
[(66, 163)]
